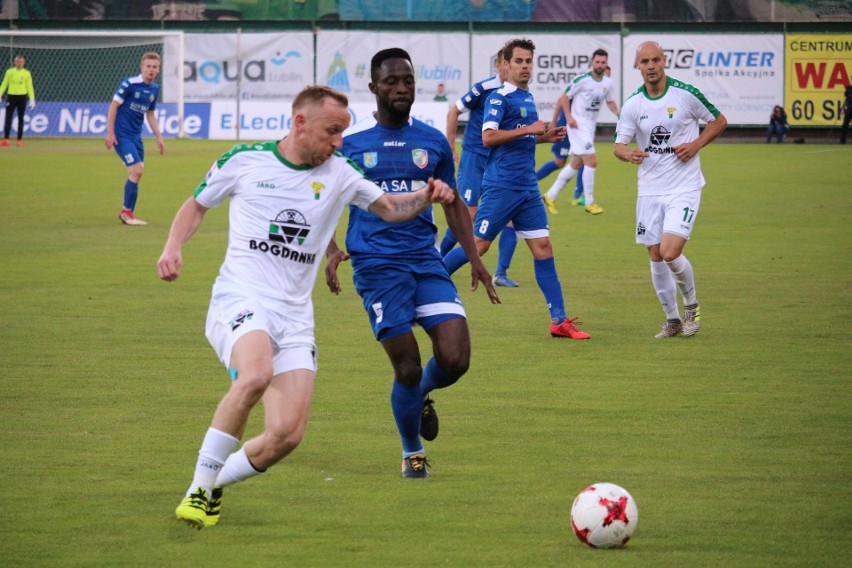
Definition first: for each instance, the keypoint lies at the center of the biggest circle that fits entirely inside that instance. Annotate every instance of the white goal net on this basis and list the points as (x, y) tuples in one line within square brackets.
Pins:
[(76, 74)]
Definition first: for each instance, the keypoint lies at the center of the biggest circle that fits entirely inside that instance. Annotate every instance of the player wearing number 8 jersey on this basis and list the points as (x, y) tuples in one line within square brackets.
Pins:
[(511, 128), (662, 116), (472, 165)]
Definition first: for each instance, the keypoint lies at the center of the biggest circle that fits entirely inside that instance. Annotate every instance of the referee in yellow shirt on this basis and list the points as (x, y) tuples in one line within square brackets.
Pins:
[(18, 85)]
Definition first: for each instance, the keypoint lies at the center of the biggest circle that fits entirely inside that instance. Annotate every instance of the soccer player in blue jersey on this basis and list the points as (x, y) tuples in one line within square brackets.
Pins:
[(133, 102), (397, 268), (472, 165), (511, 128)]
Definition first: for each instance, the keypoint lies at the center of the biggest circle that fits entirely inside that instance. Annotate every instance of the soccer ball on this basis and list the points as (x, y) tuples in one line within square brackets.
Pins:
[(604, 515)]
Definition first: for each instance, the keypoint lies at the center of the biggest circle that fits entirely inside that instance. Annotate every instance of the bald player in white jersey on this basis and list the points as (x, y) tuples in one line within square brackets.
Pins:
[(286, 199), (662, 116)]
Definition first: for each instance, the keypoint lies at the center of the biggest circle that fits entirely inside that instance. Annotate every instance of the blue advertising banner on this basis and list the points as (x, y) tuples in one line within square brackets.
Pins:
[(90, 120)]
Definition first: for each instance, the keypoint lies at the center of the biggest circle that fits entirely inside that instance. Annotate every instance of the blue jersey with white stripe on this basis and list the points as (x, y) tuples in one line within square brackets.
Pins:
[(511, 165), (474, 102), (136, 98), (397, 160)]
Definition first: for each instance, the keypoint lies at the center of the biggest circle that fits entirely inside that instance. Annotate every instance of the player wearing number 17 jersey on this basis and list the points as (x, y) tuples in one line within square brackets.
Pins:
[(662, 116)]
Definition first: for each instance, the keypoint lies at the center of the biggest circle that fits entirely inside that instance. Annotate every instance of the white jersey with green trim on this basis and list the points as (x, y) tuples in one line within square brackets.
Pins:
[(659, 125), (587, 96), (281, 219)]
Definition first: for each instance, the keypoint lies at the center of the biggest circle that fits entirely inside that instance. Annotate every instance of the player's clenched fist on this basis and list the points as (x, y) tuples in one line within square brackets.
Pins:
[(440, 192), (169, 266)]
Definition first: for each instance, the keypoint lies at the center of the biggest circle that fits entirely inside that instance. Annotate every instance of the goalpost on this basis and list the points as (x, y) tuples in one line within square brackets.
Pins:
[(76, 74)]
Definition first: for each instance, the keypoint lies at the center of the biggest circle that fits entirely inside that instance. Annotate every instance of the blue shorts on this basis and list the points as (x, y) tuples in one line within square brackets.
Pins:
[(130, 150), (397, 294), (471, 168), (560, 149), (525, 209)]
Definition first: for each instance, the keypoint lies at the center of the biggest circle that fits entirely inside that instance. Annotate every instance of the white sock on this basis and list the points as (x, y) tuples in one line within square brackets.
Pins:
[(564, 177), (664, 284), (237, 468), (682, 270), (215, 449), (589, 184)]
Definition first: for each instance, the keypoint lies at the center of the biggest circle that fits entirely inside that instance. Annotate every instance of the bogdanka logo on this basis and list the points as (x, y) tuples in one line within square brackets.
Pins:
[(289, 227), (660, 136)]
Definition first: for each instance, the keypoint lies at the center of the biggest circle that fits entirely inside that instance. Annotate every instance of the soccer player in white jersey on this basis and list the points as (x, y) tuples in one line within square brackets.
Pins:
[(662, 116), (134, 101), (581, 103), (286, 199)]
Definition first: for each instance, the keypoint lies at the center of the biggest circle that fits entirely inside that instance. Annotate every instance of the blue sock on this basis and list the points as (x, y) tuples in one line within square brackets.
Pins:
[(407, 405), (578, 191), (131, 191), (548, 282), (434, 377), (546, 169), (455, 259), (506, 249), (448, 243)]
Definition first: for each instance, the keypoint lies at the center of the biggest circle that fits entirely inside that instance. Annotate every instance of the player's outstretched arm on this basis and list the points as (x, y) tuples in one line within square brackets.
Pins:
[(187, 220), (397, 207)]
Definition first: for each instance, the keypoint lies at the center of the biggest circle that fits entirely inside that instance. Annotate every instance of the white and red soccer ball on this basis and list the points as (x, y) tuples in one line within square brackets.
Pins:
[(604, 515)]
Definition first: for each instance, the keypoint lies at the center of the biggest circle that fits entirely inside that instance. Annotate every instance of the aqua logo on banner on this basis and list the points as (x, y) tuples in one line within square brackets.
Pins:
[(252, 70)]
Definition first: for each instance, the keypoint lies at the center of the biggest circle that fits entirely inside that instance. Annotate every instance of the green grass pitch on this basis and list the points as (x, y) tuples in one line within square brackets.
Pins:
[(736, 443)]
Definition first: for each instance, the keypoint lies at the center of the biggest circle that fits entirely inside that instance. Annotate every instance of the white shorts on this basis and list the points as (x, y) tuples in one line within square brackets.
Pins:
[(582, 141), (232, 315), (657, 214)]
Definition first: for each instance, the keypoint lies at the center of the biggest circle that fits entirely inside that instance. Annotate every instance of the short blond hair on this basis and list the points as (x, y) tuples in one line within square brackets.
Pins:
[(150, 55), (314, 95)]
